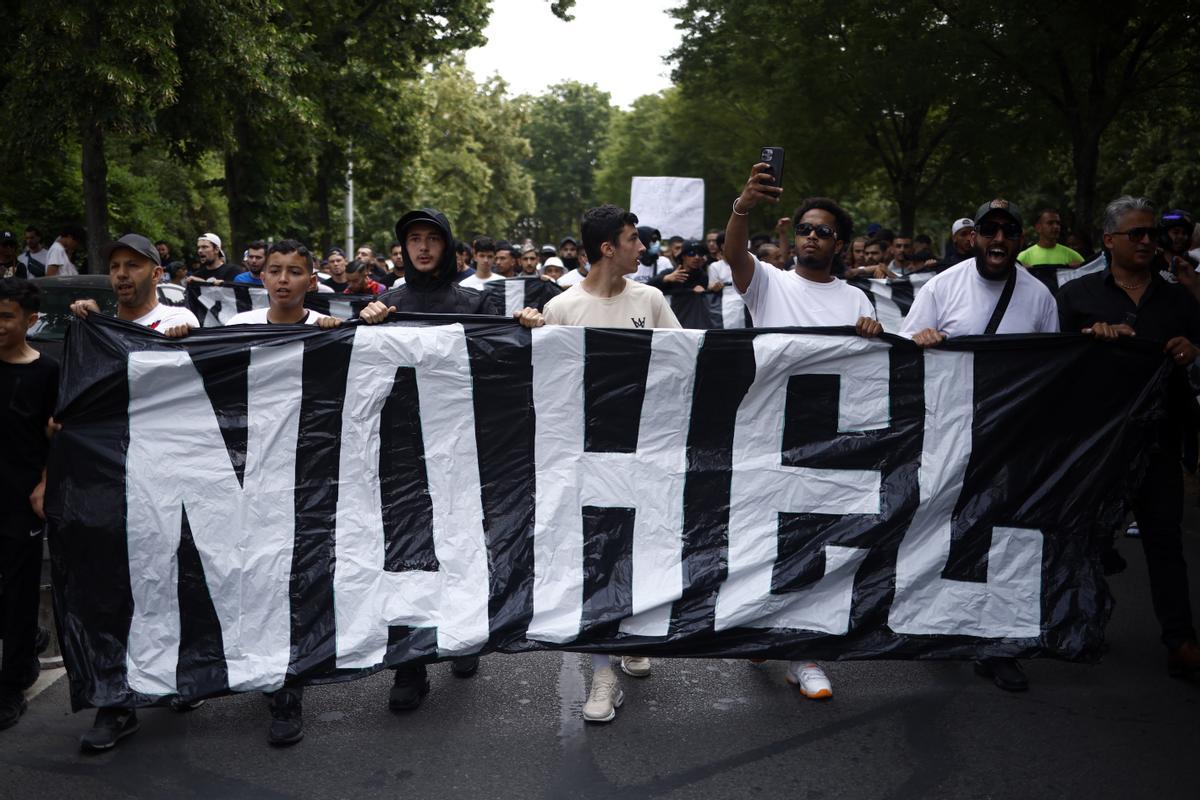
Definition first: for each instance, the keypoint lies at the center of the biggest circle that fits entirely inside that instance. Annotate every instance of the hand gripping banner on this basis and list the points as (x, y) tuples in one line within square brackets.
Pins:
[(263, 504)]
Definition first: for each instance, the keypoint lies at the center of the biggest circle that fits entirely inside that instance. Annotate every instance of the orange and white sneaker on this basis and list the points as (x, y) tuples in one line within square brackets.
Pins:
[(812, 680)]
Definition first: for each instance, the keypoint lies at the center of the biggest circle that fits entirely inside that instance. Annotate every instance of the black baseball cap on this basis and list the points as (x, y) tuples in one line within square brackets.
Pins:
[(694, 247), (131, 241), (1002, 206), (566, 239), (7, 236), (549, 250), (1173, 218)]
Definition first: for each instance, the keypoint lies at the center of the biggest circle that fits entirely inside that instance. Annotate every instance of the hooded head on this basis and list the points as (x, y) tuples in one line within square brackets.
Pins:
[(652, 240), (445, 269)]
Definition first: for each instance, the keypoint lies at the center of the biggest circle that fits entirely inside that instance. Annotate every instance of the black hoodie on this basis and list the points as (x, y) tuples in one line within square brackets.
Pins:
[(436, 292)]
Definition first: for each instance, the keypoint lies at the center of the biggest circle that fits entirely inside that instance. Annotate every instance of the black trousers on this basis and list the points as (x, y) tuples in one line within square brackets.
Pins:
[(21, 571), (1158, 509)]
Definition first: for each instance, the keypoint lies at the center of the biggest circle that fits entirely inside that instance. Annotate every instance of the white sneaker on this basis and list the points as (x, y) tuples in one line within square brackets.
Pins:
[(811, 679), (605, 697), (636, 666)]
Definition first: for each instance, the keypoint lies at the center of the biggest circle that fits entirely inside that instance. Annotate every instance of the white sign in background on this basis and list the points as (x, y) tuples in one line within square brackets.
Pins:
[(673, 205)]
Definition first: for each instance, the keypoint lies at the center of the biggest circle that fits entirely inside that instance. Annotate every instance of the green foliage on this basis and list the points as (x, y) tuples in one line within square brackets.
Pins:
[(566, 127), (468, 160)]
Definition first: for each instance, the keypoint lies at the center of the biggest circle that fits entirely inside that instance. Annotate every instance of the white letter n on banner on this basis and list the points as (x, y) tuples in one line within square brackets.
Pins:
[(649, 480), (762, 487), (367, 598), (177, 461)]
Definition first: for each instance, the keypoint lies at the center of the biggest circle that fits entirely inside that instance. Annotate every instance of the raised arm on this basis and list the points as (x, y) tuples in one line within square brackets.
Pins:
[(737, 230)]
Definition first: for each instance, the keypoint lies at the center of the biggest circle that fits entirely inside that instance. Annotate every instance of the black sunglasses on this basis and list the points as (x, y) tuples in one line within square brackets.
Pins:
[(988, 228), (822, 231), (1147, 233)]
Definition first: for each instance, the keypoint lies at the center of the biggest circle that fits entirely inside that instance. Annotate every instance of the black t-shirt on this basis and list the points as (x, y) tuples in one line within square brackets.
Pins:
[(1165, 310), (332, 284), (225, 272), (27, 396)]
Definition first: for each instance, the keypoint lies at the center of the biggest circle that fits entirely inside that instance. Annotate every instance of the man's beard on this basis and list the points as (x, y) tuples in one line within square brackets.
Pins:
[(812, 262), (980, 265)]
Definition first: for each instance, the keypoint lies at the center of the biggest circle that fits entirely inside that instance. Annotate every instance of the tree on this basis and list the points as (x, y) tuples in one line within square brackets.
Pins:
[(856, 84), (469, 159), (1084, 68), (566, 128)]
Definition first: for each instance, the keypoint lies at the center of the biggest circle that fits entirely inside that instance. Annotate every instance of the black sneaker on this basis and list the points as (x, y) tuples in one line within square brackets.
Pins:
[(42, 642), (12, 706), (464, 666), (1004, 672), (111, 725), (181, 706), (287, 717), (409, 687)]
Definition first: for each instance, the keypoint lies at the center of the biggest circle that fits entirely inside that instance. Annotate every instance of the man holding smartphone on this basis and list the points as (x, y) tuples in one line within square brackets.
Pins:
[(807, 295)]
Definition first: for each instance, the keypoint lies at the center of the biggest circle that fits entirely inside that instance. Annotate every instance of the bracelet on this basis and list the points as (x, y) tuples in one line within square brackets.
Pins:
[(737, 213)]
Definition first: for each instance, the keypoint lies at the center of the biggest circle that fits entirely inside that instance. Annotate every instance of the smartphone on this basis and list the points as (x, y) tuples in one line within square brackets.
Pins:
[(773, 158)]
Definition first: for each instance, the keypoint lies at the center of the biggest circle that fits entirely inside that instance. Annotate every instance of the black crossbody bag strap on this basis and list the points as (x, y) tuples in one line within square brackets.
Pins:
[(1002, 303)]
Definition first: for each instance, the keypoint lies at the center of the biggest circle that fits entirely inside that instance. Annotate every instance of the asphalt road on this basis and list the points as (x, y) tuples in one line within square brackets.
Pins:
[(695, 728)]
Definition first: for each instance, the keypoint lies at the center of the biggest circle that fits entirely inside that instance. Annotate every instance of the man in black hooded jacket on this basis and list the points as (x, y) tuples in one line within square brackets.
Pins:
[(430, 269)]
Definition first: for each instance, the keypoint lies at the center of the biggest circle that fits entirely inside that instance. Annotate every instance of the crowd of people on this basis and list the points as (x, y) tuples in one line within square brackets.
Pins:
[(620, 274)]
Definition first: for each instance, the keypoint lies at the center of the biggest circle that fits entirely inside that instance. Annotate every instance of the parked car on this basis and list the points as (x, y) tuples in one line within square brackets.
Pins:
[(59, 292)]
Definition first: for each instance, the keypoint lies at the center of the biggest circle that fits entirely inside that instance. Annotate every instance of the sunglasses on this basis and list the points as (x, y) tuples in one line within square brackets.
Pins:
[(1143, 234), (822, 231), (988, 228)]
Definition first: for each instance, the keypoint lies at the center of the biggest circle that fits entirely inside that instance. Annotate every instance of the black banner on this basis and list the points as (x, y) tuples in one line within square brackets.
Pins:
[(252, 505)]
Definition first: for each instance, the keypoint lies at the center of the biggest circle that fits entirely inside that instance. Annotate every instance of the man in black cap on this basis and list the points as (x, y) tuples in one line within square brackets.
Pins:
[(10, 267), (568, 251), (429, 287), (687, 286), (134, 270), (988, 294), (335, 265), (1175, 263)]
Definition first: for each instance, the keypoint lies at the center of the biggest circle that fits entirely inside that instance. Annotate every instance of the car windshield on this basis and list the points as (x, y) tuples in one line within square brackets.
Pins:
[(55, 311)]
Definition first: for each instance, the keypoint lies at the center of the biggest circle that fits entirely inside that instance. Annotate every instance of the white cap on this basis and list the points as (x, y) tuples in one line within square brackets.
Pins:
[(959, 224), (554, 261), (212, 237)]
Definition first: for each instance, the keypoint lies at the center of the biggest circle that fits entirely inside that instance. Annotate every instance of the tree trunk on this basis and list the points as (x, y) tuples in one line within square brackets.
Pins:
[(906, 203), (322, 190), (95, 192), (236, 192), (1085, 158)]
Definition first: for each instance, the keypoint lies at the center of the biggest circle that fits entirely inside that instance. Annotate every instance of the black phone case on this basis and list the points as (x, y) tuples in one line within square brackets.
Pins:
[(773, 157)]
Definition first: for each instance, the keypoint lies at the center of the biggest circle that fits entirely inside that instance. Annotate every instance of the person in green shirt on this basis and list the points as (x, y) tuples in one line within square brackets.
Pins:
[(1047, 251)]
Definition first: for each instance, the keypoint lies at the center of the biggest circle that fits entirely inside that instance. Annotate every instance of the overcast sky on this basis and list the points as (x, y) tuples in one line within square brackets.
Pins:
[(619, 45)]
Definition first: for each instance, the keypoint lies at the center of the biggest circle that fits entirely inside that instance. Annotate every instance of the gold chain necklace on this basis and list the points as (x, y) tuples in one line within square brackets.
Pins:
[(1133, 286)]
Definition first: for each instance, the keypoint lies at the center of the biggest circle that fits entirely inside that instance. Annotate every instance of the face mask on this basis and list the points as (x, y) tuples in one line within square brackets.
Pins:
[(655, 248)]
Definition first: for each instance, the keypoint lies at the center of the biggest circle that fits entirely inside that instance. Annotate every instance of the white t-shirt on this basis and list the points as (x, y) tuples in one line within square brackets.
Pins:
[(637, 306), (960, 301), (476, 282), (163, 316), (720, 271), (780, 299), (57, 256), (571, 278), (258, 316)]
